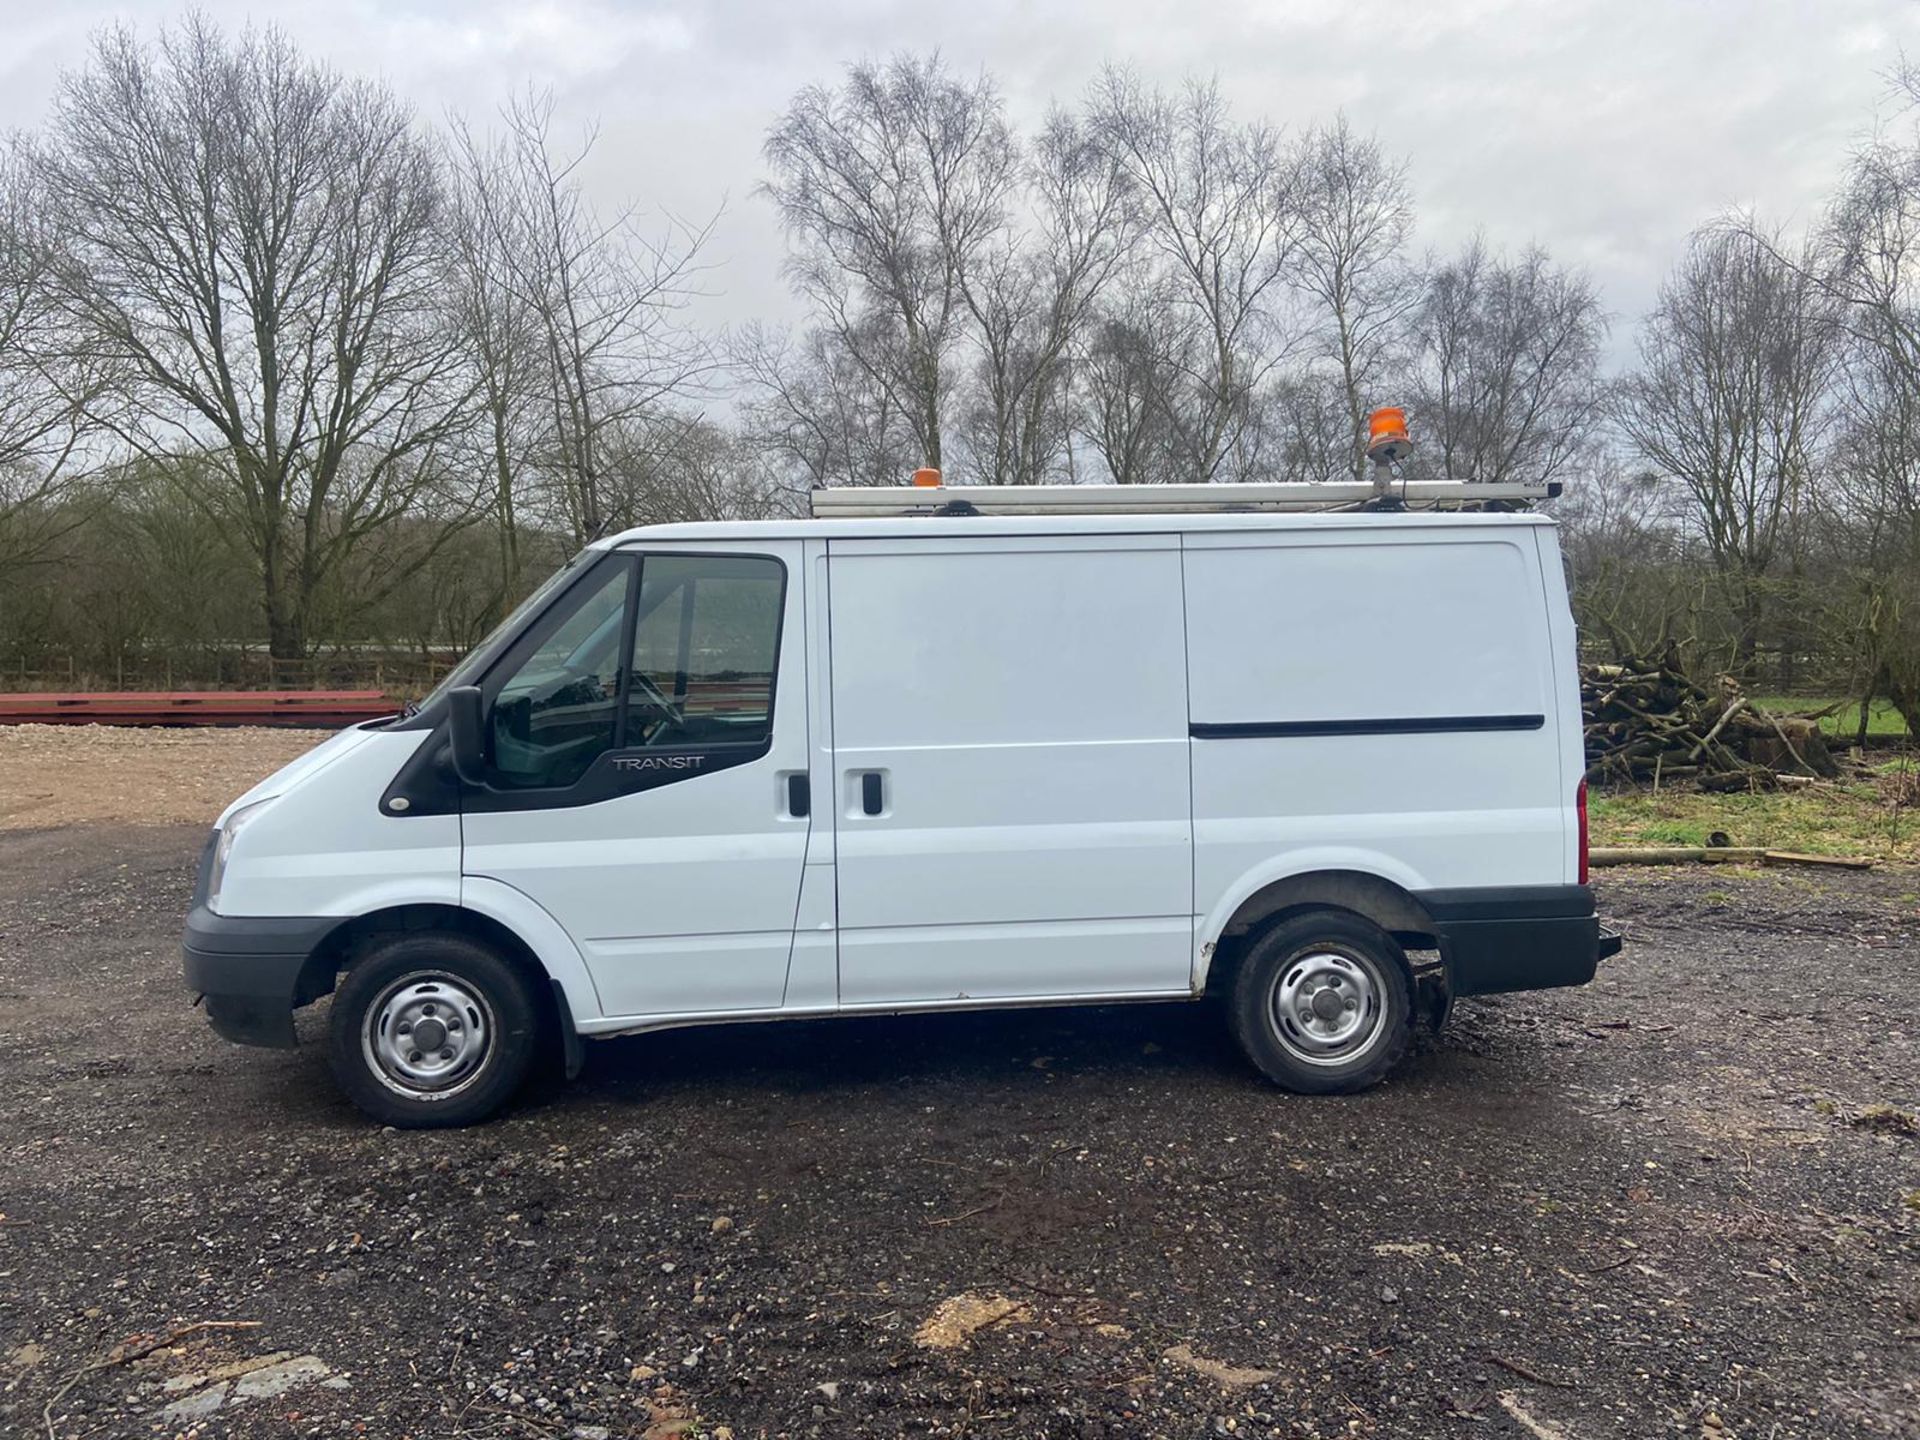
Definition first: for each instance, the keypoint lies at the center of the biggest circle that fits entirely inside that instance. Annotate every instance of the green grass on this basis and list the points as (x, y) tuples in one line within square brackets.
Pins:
[(1674, 832), (1835, 820), (1883, 721)]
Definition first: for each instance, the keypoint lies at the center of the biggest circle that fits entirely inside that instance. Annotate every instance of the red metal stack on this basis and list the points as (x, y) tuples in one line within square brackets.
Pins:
[(316, 709)]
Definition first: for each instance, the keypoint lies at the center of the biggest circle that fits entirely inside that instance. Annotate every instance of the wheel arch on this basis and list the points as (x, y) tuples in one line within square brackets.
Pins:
[(1386, 902), (494, 914)]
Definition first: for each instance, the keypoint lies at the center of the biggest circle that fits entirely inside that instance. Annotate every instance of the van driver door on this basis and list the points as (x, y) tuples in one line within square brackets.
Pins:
[(641, 743)]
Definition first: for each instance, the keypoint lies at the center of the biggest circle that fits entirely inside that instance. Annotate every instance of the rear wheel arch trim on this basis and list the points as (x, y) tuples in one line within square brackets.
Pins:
[(1387, 901)]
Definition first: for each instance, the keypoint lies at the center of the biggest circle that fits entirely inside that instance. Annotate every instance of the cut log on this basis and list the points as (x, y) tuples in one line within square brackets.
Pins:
[(1716, 855), (1837, 862), (1714, 734), (1673, 854)]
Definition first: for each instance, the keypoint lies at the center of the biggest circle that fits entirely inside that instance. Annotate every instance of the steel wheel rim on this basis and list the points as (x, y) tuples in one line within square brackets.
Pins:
[(428, 1035), (1327, 1006)]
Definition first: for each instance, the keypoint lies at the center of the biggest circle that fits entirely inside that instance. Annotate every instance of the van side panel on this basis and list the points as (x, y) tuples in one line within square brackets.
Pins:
[(1380, 701), (1022, 703)]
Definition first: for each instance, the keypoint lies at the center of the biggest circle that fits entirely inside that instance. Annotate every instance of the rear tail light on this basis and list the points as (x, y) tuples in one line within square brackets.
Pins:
[(1580, 804)]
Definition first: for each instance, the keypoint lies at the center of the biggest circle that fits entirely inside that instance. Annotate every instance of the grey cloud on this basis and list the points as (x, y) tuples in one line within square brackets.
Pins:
[(1604, 129)]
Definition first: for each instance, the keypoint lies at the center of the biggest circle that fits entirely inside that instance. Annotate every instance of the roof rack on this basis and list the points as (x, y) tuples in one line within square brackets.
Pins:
[(834, 502)]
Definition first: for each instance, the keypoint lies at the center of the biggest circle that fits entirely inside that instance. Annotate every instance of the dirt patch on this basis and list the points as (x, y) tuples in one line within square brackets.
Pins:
[(81, 774), (957, 1319), (1230, 1377)]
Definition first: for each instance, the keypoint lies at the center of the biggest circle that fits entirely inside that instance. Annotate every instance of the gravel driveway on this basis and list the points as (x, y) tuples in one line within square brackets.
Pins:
[(1685, 1200)]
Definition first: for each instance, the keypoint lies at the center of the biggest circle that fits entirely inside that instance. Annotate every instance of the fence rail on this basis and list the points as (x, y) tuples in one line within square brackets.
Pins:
[(406, 676)]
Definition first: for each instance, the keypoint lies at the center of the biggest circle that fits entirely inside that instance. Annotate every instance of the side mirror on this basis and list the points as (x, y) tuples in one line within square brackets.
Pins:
[(464, 705)]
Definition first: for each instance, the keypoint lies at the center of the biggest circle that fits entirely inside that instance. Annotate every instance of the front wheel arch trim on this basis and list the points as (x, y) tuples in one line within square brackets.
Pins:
[(546, 955)]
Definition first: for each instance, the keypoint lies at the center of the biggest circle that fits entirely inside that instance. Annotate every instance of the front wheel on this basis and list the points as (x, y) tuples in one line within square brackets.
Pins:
[(1321, 1003), (432, 1030)]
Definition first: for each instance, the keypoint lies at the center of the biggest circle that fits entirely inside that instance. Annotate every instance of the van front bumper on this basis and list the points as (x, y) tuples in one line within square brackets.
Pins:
[(253, 971), (1530, 937)]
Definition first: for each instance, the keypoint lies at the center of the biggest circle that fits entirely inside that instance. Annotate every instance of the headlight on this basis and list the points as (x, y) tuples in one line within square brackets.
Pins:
[(236, 822)]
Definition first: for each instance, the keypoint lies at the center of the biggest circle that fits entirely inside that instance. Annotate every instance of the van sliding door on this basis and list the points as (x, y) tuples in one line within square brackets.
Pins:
[(1011, 756)]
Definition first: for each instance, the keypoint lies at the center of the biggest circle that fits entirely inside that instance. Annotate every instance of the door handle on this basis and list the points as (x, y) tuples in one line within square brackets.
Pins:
[(871, 800), (799, 795)]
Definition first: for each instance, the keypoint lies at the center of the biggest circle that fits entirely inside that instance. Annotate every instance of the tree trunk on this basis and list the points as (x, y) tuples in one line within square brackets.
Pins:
[(286, 630), (1866, 713), (1903, 697), (509, 525), (1747, 641), (930, 415)]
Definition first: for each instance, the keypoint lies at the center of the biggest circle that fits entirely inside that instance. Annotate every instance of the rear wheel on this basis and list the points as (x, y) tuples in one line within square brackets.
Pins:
[(432, 1030), (1321, 1003)]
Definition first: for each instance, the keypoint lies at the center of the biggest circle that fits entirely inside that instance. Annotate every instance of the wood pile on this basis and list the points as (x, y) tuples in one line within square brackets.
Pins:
[(1647, 721)]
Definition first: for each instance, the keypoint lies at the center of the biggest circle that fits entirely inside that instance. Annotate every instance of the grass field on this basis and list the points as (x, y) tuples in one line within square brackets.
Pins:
[(1858, 819), (1883, 720), (1825, 820)]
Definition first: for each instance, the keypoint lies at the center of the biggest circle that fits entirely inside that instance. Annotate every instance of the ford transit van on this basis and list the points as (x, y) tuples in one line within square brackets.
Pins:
[(1325, 767)]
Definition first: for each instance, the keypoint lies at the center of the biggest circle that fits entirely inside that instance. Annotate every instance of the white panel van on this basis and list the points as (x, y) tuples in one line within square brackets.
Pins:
[(1324, 767)]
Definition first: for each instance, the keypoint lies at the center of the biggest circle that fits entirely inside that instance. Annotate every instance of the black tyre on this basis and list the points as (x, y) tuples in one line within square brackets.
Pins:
[(1321, 1003), (432, 1030)]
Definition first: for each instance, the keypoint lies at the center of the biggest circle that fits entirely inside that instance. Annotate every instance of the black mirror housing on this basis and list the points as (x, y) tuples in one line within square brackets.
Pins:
[(464, 710)]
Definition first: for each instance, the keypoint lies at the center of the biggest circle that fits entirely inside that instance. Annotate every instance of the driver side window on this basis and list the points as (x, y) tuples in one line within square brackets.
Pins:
[(699, 674), (559, 711)]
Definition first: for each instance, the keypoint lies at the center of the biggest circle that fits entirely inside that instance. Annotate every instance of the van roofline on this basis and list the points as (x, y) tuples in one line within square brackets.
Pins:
[(950, 526)]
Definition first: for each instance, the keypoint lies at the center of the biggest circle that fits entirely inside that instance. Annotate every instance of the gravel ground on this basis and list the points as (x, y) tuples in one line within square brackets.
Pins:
[(72, 774), (1662, 1205)]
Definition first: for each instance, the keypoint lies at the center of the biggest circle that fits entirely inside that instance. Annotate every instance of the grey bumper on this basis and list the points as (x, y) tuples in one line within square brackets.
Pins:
[(249, 997), (1534, 937)]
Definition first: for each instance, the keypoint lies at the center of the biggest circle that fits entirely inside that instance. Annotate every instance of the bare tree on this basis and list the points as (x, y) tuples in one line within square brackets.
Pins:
[(1308, 414), (1869, 519), (499, 328), (891, 187), (606, 296), (1508, 358), (816, 411), (1636, 582), (1866, 263), (1349, 215), (1031, 295), (45, 389), (1732, 401), (1215, 203), (1131, 367), (255, 241), (678, 468)]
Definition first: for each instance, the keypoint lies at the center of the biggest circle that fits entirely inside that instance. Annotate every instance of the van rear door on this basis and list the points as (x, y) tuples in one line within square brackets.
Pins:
[(1010, 746)]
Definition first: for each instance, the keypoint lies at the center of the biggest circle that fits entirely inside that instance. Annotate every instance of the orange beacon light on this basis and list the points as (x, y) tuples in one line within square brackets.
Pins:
[(1387, 439)]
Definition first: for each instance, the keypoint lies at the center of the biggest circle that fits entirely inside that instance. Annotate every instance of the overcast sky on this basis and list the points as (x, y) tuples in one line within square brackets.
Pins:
[(1604, 129)]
